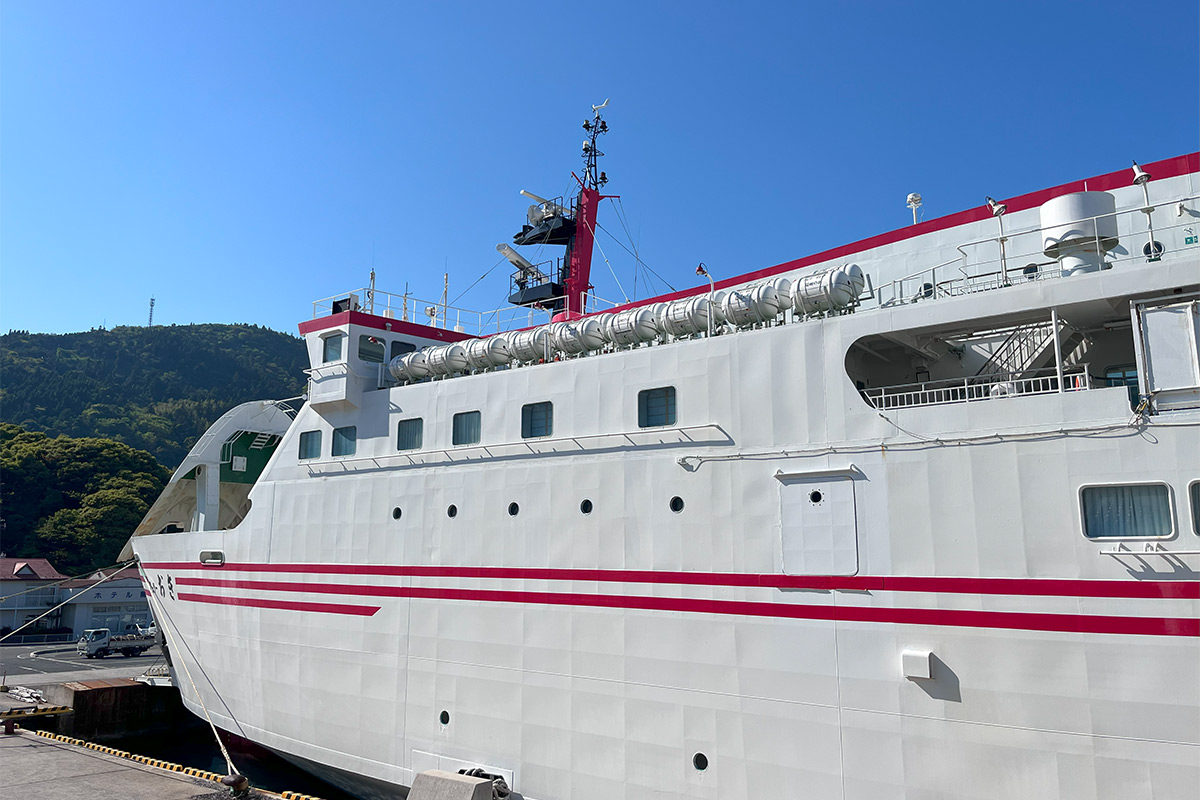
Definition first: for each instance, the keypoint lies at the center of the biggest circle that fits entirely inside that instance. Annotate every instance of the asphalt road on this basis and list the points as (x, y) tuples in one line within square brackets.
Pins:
[(24, 661)]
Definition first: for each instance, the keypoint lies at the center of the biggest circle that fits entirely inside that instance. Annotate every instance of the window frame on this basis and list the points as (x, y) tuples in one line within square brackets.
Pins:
[(300, 444), (1193, 493), (549, 419), (673, 407), (334, 441), (392, 345), (420, 434), (364, 339), (454, 428), (341, 354), (1171, 515)]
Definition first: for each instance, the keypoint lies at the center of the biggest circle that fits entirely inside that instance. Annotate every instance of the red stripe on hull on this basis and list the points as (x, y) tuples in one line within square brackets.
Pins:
[(1040, 587), (285, 605), (1064, 623)]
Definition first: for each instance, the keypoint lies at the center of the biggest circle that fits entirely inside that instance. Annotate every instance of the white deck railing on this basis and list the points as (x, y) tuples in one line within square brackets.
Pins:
[(975, 388), (982, 264), (437, 314)]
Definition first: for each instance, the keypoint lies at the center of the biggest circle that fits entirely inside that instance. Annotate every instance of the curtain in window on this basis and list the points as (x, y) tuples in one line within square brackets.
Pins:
[(408, 434), (467, 427), (345, 440), (1143, 510)]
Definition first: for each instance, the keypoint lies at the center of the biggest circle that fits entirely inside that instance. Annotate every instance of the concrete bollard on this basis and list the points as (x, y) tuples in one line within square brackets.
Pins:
[(438, 785)]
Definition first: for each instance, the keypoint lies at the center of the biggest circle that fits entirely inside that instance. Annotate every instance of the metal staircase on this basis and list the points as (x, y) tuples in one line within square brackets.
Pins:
[(1030, 347)]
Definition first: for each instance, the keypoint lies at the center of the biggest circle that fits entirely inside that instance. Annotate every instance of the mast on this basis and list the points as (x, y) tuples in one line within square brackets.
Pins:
[(550, 223)]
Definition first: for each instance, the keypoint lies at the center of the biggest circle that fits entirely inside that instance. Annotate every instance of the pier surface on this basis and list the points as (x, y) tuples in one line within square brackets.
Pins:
[(36, 768)]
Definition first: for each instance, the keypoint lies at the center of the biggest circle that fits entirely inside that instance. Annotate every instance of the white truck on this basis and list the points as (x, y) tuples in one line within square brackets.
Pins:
[(99, 642)]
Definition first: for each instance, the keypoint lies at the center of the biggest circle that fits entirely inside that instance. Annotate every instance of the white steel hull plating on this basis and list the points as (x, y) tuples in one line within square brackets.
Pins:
[(356, 626)]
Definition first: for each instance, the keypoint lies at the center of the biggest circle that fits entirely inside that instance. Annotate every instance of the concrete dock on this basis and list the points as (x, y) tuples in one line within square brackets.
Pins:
[(33, 767)]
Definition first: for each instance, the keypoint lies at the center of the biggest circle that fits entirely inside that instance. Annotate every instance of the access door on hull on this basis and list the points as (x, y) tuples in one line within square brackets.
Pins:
[(817, 524)]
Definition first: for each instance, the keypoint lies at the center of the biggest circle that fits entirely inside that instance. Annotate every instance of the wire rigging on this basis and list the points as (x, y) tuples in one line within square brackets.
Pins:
[(108, 577)]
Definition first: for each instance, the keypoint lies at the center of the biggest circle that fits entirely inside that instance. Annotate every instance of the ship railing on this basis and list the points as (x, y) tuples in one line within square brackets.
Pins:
[(1017, 256), (439, 314), (982, 387)]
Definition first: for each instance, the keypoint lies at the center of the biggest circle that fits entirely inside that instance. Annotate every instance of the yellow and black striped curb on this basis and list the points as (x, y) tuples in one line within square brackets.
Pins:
[(154, 762), (18, 713)]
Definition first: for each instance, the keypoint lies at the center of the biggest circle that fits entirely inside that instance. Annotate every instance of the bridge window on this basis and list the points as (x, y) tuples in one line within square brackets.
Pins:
[(370, 349), (537, 419), (310, 445), (331, 348), (1132, 510), (400, 348), (345, 440), (466, 428), (656, 407), (409, 433)]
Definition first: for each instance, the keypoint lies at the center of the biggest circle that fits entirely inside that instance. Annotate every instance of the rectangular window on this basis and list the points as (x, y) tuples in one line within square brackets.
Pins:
[(409, 434), (1194, 491), (656, 407), (1124, 376), (537, 419), (1138, 510), (466, 428), (401, 348), (331, 348), (370, 349), (345, 440), (310, 444)]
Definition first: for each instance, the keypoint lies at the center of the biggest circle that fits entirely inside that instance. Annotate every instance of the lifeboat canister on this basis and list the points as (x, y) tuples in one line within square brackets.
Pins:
[(631, 326), (530, 345), (822, 291), (412, 366), (685, 317), (591, 333), (858, 281), (447, 359), (489, 352), (565, 338)]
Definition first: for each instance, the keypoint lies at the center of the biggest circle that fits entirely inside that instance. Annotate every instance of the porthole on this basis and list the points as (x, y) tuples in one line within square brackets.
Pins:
[(815, 496), (397, 513), (452, 511), (586, 507), (513, 509), (677, 504), (700, 761), (1153, 250), (444, 718)]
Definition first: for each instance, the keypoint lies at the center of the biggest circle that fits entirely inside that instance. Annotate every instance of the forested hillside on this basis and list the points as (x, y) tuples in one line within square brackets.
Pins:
[(152, 388), (72, 501)]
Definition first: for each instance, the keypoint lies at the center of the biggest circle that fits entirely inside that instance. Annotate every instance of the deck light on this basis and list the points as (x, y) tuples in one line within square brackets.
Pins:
[(997, 208), (1140, 176), (914, 202), (1153, 250)]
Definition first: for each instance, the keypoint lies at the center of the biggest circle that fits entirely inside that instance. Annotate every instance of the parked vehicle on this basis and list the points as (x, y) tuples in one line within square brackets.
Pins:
[(99, 642)]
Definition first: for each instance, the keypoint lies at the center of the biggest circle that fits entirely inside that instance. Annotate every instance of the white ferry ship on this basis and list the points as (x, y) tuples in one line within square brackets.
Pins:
[(916, 517)]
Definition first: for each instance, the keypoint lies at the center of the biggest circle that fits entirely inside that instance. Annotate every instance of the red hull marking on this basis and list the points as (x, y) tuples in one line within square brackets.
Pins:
[(1068, 623), (285, 605), (1040, 587)]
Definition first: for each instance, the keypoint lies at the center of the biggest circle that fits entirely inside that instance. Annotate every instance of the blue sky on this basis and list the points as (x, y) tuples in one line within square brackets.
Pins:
[(240, 160)]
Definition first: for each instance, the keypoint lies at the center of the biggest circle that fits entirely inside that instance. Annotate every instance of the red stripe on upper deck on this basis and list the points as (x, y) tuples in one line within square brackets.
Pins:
[(1061, 623), (1167, 168), (383, 324), (1038, 587)]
